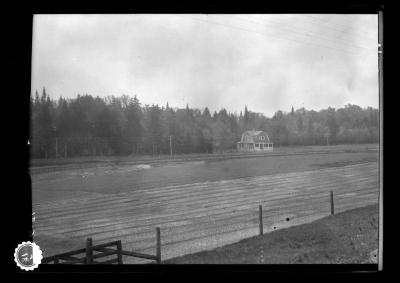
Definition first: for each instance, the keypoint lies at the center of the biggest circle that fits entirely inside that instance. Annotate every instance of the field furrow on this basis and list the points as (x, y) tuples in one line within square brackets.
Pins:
[(204, 215)]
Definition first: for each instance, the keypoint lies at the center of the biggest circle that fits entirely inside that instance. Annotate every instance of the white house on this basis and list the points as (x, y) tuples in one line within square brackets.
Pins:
[(255, 141)]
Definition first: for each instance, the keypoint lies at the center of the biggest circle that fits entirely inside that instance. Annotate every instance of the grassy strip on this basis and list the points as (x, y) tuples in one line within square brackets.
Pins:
[(95, 160), (349, 237)]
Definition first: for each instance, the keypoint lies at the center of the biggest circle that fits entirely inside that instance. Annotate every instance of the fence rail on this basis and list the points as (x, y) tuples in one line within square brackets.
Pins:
[(92, 254), (103, 250)]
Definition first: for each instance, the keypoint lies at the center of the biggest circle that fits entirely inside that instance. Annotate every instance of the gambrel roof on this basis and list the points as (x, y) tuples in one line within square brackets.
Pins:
[(255, 137)]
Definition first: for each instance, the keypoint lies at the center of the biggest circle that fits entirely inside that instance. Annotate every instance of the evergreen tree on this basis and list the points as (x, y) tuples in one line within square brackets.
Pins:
[(300, 126), (42, 126), (133, 128), (121, 125), (246, 119), (331, 124)]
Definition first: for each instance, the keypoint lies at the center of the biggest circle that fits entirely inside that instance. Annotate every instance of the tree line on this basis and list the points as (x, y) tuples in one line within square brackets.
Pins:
[(88, 125)]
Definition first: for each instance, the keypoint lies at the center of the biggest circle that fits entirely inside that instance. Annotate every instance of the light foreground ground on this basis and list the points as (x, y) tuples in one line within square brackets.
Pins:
[(348, 237), (198, 206)]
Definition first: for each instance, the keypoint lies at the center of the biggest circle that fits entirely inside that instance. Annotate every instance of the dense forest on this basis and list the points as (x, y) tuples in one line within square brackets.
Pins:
[(88, 125)]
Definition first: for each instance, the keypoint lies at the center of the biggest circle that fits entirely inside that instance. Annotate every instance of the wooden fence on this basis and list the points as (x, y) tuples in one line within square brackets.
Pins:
[(93, 253), (260, 213)]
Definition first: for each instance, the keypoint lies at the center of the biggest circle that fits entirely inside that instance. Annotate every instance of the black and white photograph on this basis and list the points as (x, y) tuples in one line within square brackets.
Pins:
[(186, 139)]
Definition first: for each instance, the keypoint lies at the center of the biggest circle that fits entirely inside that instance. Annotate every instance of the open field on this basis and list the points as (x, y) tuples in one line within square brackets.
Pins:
[(60, 164), (198, 204), (347, 237)]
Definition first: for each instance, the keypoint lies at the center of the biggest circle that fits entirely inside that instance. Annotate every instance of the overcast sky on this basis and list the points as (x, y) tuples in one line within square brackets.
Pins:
[(267, 62)]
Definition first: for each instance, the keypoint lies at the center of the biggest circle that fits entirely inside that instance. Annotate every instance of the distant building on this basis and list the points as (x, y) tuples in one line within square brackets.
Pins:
[(255, 141)]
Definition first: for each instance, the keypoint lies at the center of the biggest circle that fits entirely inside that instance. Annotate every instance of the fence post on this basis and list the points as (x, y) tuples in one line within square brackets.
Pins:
[(158, 252), (119, 252), (332, 204), (89, 251), (260, 219)]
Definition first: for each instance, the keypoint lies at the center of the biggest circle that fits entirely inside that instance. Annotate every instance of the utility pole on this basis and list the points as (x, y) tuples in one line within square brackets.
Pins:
[(65, 148), (56, 147), (170, 145)]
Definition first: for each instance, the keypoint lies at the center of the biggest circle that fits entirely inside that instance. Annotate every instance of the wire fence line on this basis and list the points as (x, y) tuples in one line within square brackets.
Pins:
[(241, 205), (247, 221), (66, 147), (224, 217), (221, 214)]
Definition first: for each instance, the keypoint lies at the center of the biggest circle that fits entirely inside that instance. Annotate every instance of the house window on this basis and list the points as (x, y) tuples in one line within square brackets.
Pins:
[(262, 138)]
